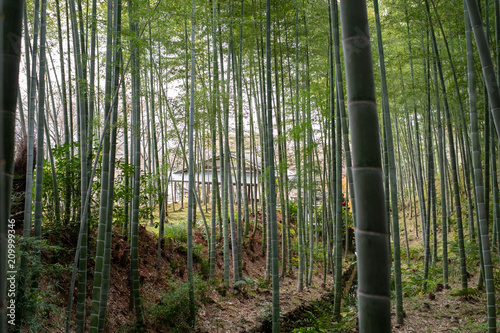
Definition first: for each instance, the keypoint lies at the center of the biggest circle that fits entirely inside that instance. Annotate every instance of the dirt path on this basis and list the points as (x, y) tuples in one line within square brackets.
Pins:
[(444, 311), (246, 310)]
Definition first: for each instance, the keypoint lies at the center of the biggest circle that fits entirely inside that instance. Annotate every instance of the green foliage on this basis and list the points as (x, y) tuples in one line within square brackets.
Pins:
[(42, 306), (265, 314), (319, 319), (315, 324), (148, 191), (318, 254), (413, 279), (249, 281), (174, 264), (122, 191), (68, 175), (264, 283), (172, 309), (134, 327), (240, 284), (17, 199), (176, 232), (49, 310), (63, 166), (471, 252), (292, 206), (474, 326), (467, 293), (204, 262), (496, 278)]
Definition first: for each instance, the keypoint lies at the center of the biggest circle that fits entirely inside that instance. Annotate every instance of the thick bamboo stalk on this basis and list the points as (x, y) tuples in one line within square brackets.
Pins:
[(371, 231), (10, 55), (494, 97), (391, 171)]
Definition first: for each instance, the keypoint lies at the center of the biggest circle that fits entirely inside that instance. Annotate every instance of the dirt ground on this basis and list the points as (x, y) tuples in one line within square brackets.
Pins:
[(242, 314), (244, 309), (443, 312), (445, 309)]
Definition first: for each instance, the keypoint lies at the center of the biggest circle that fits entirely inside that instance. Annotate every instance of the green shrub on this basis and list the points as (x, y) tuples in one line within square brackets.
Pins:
[(264, 283), (292, 206), (172, 309), (177, 232), (41, 306), (204, 262)]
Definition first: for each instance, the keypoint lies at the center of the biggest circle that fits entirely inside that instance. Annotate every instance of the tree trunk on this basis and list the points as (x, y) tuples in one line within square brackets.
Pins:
[(371, 231)]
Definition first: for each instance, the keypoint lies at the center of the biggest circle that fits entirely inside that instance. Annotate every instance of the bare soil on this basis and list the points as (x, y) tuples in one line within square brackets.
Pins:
[(245, 309)]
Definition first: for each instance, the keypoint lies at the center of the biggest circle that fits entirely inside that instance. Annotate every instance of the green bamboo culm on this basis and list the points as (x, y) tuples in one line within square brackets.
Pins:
[(444, 217), (191, 203), (341, 103), (28, 196), (10, 55), (453, 159), (392, 172), (486, 61), (374, 303), (494, 97), (113, 115), (81, 252), (494, 142), (273, 224), (224, 176), (40, 140), (136, 133), (99, 276), (300, 222), (337, 232), (213, 126)]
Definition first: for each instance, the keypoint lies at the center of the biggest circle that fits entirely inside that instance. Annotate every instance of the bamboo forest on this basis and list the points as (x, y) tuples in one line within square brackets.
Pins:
[(249, 166)]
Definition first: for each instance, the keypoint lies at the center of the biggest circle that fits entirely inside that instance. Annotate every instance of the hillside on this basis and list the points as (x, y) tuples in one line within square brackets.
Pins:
[(246, 308)]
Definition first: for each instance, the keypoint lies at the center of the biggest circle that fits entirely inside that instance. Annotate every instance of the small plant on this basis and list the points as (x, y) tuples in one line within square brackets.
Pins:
[(467, 293), (318, 319), (314, 324), (174, 264), (249, 281), (266, 312), (177, 232), (240, 284), (204, 262), (292, 206), (172, 309), (264, 283), (41, 307)]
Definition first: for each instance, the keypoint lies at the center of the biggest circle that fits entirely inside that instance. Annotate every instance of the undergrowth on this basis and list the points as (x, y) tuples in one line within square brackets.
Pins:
[(319, 319), (172, 308)]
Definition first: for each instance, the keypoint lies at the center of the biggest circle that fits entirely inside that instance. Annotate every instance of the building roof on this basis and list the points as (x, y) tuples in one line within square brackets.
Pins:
[(253, 163)]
